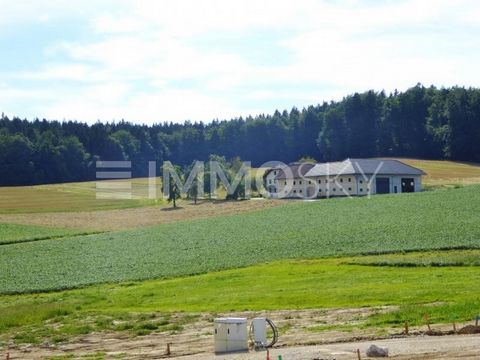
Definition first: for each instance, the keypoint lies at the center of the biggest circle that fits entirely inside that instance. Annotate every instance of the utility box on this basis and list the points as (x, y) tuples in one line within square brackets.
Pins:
[(259, 330), (230, 335)]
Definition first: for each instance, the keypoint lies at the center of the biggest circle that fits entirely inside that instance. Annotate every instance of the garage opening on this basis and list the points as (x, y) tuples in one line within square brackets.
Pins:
[(383, 185), (408, 185)]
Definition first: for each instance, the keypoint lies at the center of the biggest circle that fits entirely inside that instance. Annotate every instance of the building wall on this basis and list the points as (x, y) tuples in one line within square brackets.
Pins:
[(270, 181), (293, 188), (359, 185), (395, 183), (344, 185)]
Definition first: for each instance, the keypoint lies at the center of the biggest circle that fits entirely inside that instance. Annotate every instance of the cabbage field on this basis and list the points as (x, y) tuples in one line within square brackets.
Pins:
[(13, 233), (300, 230)]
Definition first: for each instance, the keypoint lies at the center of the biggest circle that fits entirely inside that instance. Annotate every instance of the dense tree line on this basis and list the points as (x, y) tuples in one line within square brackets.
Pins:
[(420, 122)]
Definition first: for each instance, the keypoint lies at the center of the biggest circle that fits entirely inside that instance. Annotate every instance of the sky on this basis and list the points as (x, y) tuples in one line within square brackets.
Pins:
[(151, 61)]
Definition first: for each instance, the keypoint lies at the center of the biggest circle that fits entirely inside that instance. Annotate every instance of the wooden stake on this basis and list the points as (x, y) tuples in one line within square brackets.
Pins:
[(454, 327), (406, 328), (8, 356), (168, 352), (476, 320), (358, 354), (427, 320), (268, 355)]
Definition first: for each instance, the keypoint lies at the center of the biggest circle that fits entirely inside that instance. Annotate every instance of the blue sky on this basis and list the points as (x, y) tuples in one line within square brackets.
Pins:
[(151, 61)]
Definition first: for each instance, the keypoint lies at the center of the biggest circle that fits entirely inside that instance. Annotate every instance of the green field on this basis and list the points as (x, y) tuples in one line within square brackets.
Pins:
[(13, 233), (73, 197), (303, 230), (70, 197), (142, 307)]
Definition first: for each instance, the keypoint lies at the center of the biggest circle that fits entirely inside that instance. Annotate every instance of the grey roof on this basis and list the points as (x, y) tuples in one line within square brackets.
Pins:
[(294, 170), (364, 166)]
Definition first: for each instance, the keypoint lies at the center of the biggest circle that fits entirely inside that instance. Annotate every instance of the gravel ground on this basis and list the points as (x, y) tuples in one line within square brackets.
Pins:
[(422, 347)]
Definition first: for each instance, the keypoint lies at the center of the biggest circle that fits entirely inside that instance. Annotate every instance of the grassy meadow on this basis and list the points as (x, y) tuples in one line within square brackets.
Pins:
[(442, 173), (144, 307), (71, 197), (300, 230)]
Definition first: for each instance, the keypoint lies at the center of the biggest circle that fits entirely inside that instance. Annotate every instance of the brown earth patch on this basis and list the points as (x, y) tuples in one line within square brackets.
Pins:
[(123, 219), (195, 340)]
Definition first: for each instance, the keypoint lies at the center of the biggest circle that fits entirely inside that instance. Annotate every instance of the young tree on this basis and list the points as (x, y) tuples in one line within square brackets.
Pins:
[(194, 190), (173, 193)]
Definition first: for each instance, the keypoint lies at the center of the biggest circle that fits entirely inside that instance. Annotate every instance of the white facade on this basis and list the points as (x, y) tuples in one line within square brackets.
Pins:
[(351, 177)]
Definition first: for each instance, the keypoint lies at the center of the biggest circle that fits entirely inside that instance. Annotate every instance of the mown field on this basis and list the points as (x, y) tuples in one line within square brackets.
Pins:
[(446, 173), (72, 197), (302, 230), (75, 197)]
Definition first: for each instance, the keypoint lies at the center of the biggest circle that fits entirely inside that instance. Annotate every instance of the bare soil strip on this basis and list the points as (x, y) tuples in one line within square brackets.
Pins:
[(124, 219), (296, 342)]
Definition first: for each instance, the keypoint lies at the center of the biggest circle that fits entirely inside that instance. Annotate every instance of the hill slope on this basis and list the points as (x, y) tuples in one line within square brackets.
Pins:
[(430, 220)]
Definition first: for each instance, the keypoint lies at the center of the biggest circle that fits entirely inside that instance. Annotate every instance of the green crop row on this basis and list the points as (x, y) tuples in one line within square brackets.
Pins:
[(13, 233)]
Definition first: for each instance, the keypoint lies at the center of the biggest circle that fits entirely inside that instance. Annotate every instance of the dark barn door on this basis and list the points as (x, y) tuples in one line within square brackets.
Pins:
[(408, 185), (383, 185)]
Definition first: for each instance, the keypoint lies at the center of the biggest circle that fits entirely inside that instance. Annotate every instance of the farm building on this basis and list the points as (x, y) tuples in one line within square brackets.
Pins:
[(291, 177), (351, 177)]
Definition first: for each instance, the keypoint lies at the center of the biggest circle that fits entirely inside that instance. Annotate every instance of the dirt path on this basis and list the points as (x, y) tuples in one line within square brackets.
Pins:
[(110, 220), (296, 328)]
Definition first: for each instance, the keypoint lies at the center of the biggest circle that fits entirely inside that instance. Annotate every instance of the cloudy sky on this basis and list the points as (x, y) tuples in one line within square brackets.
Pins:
[(151, 61)]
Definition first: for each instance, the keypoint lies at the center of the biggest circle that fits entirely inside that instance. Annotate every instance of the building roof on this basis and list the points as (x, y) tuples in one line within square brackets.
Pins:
[(294, 170), (363, 166)]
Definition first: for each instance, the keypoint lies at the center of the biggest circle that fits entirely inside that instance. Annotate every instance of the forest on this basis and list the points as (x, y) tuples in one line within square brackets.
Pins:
[(421, 122)]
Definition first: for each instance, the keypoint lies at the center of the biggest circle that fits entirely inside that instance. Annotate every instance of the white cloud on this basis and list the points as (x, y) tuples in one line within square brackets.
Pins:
[(142, 61)]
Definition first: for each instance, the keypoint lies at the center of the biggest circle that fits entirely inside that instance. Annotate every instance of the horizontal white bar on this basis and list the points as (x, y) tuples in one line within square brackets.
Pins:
[(114, 174), (114, 164)]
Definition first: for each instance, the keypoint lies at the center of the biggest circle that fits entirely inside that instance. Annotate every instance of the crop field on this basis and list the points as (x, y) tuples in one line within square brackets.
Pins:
[(302, 230), (311, 284), (13, 233)]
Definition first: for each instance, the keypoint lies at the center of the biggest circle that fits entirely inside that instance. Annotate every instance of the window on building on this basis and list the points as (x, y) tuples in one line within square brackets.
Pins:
[(326, 180), (295, 191), (274, 173), (361, 181), (300, 182), (341, 180), (319, 181), (285, 183), (350, 189), (361, 190), (294, 183), (299, 191), (334, 189), (309, 182), (349, 179)]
